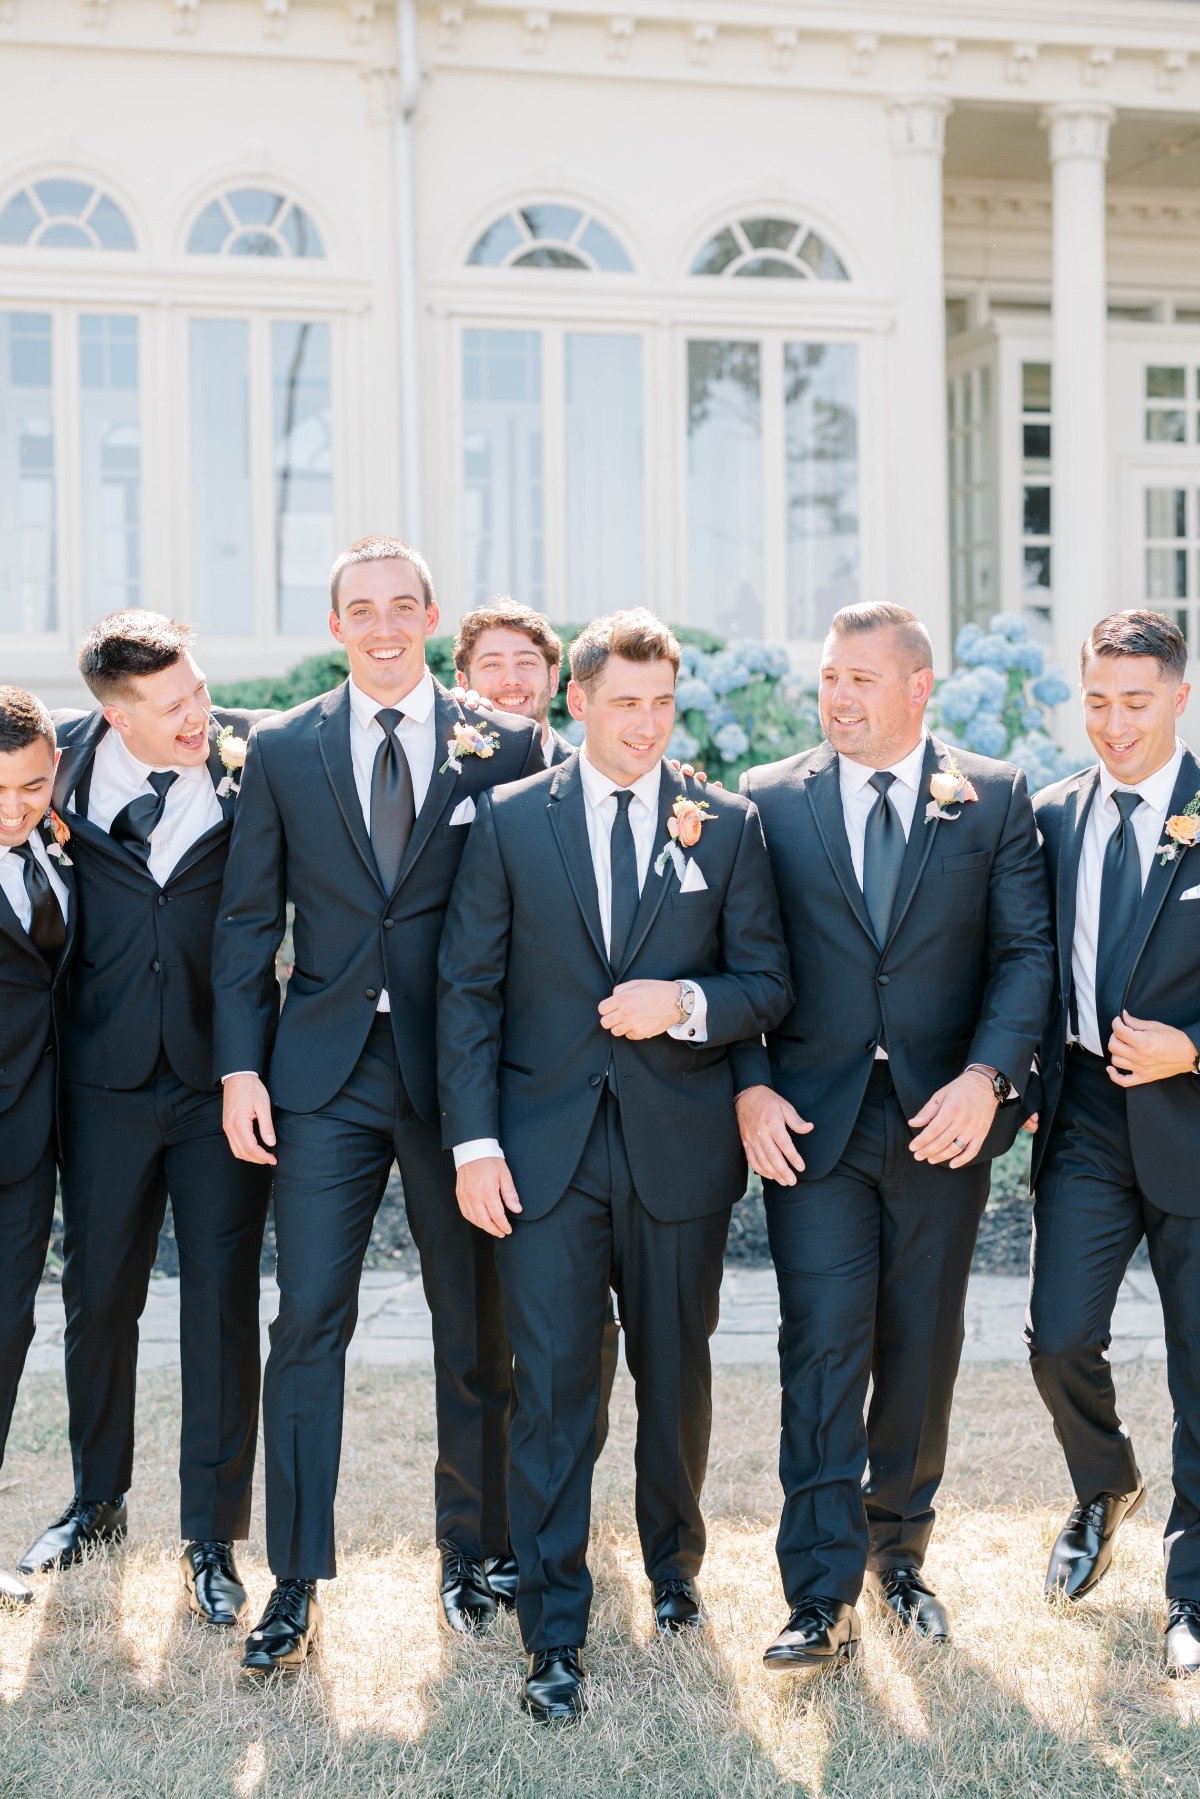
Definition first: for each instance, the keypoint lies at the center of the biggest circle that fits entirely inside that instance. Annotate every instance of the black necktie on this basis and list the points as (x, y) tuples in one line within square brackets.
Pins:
[(47, 931), (623, 868), (134, 823), (883, 857), (1120, 897), (393, 803)]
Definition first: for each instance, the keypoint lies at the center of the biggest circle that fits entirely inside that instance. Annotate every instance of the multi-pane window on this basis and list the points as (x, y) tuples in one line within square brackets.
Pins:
[(1172, 405), (59, 214), (1172, 556), (254, 221), (972, 496), (1037, 426), (28, 492), (550, 236), (111, 463), (774, 248)]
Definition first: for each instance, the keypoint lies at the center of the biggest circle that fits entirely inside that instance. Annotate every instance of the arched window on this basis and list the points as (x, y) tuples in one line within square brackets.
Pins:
[(65, 215), (254, 221), (776, 248), (548, 236)]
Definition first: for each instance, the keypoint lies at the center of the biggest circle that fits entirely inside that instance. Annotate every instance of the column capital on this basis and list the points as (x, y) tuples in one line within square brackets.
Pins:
[(918, 122), (1079, 128)]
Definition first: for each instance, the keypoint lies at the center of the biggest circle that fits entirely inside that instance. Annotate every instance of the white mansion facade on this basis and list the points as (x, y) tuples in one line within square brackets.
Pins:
[(745, 308)]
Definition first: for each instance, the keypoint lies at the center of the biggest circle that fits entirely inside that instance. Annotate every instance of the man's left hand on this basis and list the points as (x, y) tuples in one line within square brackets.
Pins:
[(955, 1121), (638, 1009), (1144, 1051)]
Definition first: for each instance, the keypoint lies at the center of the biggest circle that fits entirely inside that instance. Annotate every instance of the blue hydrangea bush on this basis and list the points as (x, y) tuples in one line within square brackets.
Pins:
[(997, 700)]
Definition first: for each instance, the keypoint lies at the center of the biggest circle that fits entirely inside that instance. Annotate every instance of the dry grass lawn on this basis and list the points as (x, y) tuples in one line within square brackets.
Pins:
[(110, 1692)]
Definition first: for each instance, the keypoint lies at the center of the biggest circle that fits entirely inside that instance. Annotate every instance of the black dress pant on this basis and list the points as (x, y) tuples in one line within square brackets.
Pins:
[(333, 1168), (26, 1217), (556, 1273), (872, 1261), (124, 1152), (1089, 1216)]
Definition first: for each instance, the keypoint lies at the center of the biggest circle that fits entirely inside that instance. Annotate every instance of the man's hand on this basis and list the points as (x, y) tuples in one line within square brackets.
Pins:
[(697, 774), (245, 1103), (1144, 1051), (955, 1121), (1031, 1124), (467, 696), (640, 1009), (767, 1123), (486, 1195)]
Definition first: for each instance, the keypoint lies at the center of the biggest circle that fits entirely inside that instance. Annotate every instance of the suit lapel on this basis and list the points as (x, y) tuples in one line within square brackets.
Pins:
[(1077, 810), (76, 759), (333, 741), (568, 821), (921, 837), (446, 715), (823, 789), (654, 889), (218, 771), (1162, 875), (12, 927)]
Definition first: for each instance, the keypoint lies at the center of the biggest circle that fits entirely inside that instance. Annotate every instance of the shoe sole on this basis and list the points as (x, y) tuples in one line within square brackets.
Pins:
[(810, 1663), (60, 1563), (258, 1673), (542, 1714), (1056, 1590)]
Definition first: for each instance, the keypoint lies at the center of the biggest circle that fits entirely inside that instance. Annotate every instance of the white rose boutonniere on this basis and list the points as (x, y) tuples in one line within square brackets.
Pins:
[(232, 751), (949, 787), (1183, 831), (468, 740)]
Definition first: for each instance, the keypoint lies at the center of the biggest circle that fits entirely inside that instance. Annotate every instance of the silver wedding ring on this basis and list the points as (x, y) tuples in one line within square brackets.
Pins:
[(959, 1144)]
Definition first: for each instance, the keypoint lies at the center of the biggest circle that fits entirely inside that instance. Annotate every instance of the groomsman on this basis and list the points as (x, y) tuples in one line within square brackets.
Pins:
[(608, 939), (914, 903), (356, 807), (1115, 1151), (37, 924), (145, 791)]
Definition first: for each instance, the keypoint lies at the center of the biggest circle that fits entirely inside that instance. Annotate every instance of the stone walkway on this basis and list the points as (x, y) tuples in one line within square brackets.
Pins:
[(393, 1325)]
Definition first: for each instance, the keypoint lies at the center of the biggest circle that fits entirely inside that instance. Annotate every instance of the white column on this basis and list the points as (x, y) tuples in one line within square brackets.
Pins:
[(918, 512), (1079, 571), (407, 300)]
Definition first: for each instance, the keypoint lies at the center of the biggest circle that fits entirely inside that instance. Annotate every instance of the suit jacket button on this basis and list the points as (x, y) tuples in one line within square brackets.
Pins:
[(371, 993), (389, 924), (884, 979), (154, 967), (870, 1045), (162, 899), (594, 1080)]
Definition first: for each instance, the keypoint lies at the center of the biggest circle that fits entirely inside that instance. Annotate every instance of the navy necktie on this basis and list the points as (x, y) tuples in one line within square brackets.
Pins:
[(1120, 897), (623, 869), (135, 822), (47, 930), (393, 803), (883, 857)]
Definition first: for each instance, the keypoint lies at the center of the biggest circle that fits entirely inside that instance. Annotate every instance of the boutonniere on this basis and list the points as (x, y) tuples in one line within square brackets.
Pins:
[(949, 787), (468, 740), (688, 818), (58, 836), (1183, 831), (232, 751)]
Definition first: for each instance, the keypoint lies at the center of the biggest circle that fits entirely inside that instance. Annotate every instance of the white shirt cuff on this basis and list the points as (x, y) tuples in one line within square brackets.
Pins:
[(476, 1150), (233, 1074), (693, 1029)]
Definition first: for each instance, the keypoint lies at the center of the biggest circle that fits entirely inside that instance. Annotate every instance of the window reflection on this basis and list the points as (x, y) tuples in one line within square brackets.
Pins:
[(222, 519), (604, 529), (111, 457), (304, 546), (821, 452), (28, 501), (725, 487), (503, 499)]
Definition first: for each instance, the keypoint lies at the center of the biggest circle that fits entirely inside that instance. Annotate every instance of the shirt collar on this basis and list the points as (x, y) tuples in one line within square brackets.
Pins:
[(597, 787), (140, 771), (1156, 789), (855, 775), (416, 704)]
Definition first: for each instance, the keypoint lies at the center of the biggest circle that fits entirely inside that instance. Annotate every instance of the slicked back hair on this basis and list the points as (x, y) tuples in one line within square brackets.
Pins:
[(127, 644), (635, 635), (505, 614), (23, 719), (380, 549), (881, 615), (1138, 632)]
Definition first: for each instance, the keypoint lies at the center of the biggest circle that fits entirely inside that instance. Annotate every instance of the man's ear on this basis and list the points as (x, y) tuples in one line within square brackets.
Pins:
[(576, 701), (117, 719)]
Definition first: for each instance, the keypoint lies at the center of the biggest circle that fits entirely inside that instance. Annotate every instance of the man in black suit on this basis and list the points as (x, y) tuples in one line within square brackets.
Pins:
[(1119, 1104), (356, 807), (592, 978), (145, 789), (37, 926), (913, 898)]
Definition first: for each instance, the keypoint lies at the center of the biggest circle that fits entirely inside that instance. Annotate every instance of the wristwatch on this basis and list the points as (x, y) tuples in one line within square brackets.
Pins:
[(1002, 1087), (687, 1000)]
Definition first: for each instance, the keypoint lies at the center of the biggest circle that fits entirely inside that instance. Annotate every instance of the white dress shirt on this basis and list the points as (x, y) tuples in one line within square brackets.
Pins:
[(1148, 821), (191, 809), (600, 809), (858, 797), (12, 879)]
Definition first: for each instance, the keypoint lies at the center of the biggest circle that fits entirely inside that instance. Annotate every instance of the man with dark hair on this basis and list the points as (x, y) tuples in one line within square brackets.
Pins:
[(512, 655), (356, 806), (37, 927), (1119, 1107), (609, 937), (147, 785), (914, 904)]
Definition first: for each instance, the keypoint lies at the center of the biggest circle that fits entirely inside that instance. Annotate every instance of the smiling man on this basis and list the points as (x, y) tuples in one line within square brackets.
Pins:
[(144, 793), (356, 807), (512, 655), (1115, 1151)]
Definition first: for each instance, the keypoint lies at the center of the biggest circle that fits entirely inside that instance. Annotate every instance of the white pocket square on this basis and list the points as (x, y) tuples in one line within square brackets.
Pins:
[(1192, 893), (463, 813), (693, 881)]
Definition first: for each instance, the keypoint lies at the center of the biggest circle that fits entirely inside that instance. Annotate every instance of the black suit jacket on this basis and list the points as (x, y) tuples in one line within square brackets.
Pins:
[(141, 980), (521, 1052), (963, 977), (1164, 984), (31, 1014), (300, 835)]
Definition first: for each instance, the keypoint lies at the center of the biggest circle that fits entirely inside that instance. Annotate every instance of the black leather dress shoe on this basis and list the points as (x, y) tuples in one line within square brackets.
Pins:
[(677, 1606), (468, 1602), (553, 1686), (212, 1584), (14, 1591), (287, 1630), (502, 1573), (1183, 1637), (911, 1603), (86, 1524), (1081, 1556), (821, 1633)]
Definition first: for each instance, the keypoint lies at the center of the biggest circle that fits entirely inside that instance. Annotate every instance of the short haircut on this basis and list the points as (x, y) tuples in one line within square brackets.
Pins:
[(23, 719), (1138, 633), (881, 616), (635, 635), (505, 614), (381, 549), (127, 644)]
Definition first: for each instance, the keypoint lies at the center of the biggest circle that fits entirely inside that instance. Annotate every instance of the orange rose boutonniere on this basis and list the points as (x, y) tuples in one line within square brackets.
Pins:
[(949, 787), (1183, 831), (688, 818), (59, 835)]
